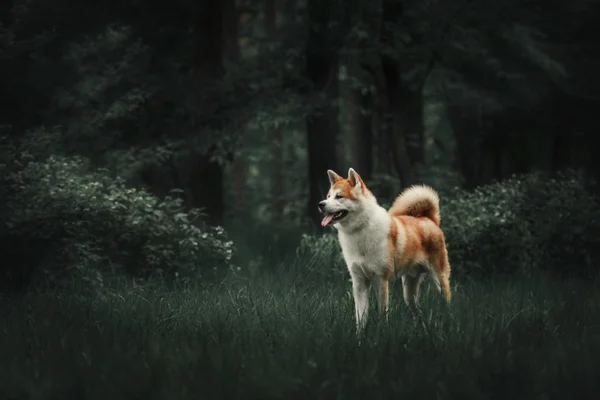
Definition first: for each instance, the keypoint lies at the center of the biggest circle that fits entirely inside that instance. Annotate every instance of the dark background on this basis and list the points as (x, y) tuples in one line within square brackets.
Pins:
[(169, 144)]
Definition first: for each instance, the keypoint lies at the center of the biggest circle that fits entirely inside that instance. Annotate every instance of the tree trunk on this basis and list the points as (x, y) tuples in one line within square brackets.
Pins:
[(271, 16), (321, 126), (359, 119), (397, 141), (467, 133), (289, 11), (277, 144), (358, 98), (381, 119), (561, 131), (206, 174), (232, 56), (6, 7), (411, 101), (231, 51), (391, 100)]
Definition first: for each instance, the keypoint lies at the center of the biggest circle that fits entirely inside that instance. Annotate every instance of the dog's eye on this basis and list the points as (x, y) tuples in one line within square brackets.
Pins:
[(337, 196)]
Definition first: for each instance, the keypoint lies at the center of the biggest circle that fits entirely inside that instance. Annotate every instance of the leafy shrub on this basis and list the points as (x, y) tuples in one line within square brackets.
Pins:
[(524, 223), (66, 221)]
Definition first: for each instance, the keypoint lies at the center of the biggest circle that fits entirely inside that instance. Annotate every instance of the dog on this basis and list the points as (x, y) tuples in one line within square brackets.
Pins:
[(376, 243)]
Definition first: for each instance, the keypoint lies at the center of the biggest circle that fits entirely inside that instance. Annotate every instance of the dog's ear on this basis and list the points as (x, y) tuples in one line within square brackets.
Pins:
[(333, 177), (355, 179)]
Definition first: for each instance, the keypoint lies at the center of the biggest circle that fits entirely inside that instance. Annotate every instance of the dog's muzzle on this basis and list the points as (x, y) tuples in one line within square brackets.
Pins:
[(322, 206)]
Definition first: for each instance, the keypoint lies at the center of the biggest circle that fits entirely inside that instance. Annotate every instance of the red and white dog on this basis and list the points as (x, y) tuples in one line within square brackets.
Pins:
[(405, 240)]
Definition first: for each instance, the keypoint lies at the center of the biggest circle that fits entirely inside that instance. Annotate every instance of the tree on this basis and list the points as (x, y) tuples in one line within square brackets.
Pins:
[(322, 63), (277, 179), (516, 98), (206, 173), (356, 88), (400, 107), (232, 22)]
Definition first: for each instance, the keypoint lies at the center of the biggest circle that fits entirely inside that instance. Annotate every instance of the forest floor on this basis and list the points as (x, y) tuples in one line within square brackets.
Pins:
[(282, 336)]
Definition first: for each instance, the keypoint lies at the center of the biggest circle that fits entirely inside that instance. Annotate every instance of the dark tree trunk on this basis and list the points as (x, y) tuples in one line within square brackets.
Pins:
[(412, 123), (467, 133), (271, 16), (206, 174), (397, 141), (277, 144), (209, 29), (207, 188), (231, 56), (289, 10), (277, 179), (359, 119), (392, 102), (490, 168), (560, 151), (230, 32), (562, 134), (6, 13), (322, 126), (381, 119), (363, 138), (358, 98)]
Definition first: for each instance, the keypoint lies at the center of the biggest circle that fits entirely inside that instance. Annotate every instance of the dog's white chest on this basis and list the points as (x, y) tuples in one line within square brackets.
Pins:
[(356, 248), (366, 251)]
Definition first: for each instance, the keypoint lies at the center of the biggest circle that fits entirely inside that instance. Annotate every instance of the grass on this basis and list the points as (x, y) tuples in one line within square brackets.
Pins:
[(285, 336)]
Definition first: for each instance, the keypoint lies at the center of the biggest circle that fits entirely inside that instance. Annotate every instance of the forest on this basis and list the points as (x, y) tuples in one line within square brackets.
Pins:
[(161, 166)]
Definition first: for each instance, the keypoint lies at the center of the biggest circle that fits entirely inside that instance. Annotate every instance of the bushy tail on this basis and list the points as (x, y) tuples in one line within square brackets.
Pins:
[(418, 201)]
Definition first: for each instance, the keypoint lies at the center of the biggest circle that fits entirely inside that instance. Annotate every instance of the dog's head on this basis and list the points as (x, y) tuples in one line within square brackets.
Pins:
[(345, 197)]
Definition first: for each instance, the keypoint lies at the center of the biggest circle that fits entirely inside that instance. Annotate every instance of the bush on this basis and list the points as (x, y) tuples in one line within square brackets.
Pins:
[(524, 223), (65, 221)]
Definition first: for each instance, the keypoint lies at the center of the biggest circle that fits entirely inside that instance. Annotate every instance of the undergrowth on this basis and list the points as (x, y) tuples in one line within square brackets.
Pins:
[(286, 335), (525, 224)]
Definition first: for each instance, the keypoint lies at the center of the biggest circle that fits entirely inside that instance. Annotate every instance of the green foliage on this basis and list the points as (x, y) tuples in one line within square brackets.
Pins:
[(65, 221), (524, 223), (101, 107), (118, 91)]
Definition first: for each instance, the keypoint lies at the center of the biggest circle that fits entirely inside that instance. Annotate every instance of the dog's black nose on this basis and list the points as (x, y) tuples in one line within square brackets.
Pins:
[(322, 206)]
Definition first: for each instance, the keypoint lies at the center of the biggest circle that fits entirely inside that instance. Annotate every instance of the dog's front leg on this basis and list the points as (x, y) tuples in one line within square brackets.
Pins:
[(360, 290)]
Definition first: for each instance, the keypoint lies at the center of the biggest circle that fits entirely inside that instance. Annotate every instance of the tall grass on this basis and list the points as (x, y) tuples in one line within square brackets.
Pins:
[(284, 335)]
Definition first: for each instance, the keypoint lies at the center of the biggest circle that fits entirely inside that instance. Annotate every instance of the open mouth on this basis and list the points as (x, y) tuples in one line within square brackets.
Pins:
[(329, 218)]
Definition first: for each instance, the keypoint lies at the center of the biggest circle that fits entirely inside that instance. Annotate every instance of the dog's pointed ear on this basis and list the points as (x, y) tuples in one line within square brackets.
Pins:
[(333, 177), (355, 179)]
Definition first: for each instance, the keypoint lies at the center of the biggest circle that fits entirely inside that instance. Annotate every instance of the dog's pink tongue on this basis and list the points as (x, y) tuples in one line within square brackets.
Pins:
[(326, 220)]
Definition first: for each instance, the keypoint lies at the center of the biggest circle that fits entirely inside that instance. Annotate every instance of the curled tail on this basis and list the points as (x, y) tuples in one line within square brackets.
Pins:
[(418, 201)]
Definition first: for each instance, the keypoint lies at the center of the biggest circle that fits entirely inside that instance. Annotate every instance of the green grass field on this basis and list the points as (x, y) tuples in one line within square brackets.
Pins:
[(284, 336)]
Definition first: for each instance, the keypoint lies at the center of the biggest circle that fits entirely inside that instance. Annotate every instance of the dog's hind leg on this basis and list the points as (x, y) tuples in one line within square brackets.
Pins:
[(440, 272), (411, 285)]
